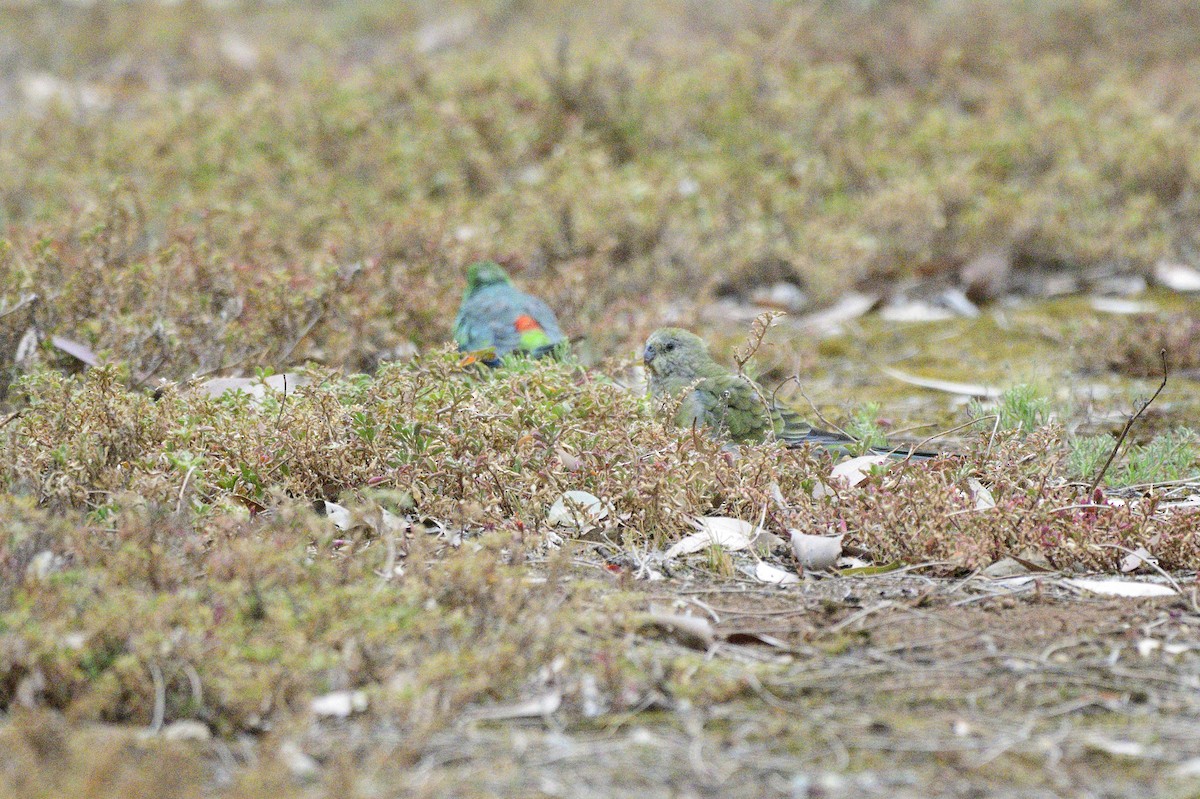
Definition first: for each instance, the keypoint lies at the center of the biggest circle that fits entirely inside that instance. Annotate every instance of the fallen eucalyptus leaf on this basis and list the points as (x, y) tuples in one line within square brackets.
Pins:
[(948, 386), (816, 552), (1123, 588), (186, 730), (854, 471), (76, 350), (1005, 567), (691, 631), (980, 493), (578, 510), (540, 706), (1137, 559), (728, 533), (1176, 276), (339, 704), (1120, 306), (766, 573)]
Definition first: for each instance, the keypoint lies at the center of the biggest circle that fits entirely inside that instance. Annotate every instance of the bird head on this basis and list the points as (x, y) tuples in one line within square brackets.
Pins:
[(485, 273), (675, 352)]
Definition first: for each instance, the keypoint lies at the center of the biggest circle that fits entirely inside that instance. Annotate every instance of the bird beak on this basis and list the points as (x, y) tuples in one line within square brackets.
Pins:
[(647, 355)]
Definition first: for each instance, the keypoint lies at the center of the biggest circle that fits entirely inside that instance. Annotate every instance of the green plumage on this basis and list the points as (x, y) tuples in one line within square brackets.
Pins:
[(728, 404), (497, 315)]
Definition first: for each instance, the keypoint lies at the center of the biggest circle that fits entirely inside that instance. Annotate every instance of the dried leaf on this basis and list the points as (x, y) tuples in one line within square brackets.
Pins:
[(76, 350), (849, 307), (339, 704), (816, 552), (1176, 276), (186, 730), (691, 631), (1004, 568), (949, 386), (980, 493), (1137, 559), (257, 388), (855, 470), (1123, 588), (379, 520), (1119, 305), (723, 531), (915, 311), (576, 509), (26, 347), (539, 706), (766, 573)]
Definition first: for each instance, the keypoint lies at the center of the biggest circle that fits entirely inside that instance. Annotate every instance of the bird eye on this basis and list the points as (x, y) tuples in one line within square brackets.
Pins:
[(670, 345)]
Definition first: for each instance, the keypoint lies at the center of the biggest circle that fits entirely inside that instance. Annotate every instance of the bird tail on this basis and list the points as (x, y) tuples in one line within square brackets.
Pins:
[(904, 453), (839, 444)]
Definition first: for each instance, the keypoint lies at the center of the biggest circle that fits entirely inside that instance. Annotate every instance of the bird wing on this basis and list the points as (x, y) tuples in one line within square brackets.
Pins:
[(728, 403)]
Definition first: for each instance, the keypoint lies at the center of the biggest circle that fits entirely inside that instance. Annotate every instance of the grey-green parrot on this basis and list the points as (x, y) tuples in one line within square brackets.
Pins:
[(729, 404), (496, 315)]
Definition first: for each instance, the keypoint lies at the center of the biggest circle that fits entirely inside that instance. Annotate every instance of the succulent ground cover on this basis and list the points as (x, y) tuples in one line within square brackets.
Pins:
[(341, 578)]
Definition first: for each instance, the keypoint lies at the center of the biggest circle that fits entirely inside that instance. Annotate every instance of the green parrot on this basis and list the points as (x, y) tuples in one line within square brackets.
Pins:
[(495, 315), (730, 404)]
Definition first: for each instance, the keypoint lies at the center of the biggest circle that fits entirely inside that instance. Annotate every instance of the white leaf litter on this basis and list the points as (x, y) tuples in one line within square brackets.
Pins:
[(1177, 277), (915, 311), (1137, 559), (1119, 305), (1148, 646), (577, 509), (544, 704), (339, 704), (1115, 747), (982, 496), (186, 730), (1124, 588), (341, 516), (286, 384), (1190, 502), (728, 533), (345, 519), (26, 347), (301, 765), (766, 573), (816, 552), (849, 307), (691, 631), (855, 470), (948, 386)]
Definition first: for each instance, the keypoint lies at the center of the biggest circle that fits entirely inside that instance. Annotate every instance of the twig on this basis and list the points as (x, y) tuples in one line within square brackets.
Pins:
[(817, 411), (914, 448), (1129, 424), (160, 698), (28, 299), (183, 489), (282, 401), (758, 331)]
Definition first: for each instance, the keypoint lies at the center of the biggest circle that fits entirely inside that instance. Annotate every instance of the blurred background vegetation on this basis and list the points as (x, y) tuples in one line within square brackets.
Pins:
[(193, 187)]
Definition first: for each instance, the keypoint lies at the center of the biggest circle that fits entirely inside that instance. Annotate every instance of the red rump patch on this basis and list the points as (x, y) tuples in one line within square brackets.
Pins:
[(526, 323)]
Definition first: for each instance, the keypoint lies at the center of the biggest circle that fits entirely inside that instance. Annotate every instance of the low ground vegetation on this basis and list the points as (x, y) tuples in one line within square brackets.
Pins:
[(195, 190)]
